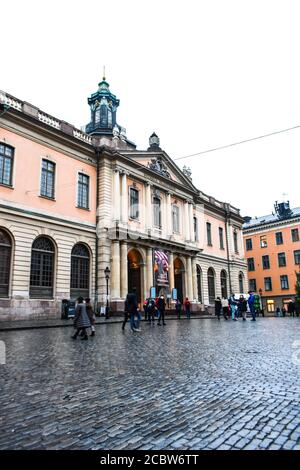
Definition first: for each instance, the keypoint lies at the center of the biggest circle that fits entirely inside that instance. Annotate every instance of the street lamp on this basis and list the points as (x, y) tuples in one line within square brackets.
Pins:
[(106, 273)]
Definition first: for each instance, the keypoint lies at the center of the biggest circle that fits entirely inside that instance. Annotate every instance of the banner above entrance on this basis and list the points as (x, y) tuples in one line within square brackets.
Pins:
[(161, 268)]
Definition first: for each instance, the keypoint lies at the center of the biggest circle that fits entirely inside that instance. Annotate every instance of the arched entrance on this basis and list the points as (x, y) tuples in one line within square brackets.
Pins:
[(178, 278), (134, 272)]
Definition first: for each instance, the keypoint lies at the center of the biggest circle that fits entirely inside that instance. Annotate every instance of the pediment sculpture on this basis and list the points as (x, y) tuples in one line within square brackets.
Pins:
[(159, 166)]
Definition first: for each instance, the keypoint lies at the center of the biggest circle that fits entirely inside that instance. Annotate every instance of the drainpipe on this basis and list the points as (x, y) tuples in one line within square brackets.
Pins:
[(227, 249)]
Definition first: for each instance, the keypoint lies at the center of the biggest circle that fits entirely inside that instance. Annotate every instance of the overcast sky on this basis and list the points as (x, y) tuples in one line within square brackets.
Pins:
[(200, 73)]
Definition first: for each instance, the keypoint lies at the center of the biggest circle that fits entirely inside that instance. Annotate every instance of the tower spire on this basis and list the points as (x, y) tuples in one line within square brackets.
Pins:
[(104, 73)]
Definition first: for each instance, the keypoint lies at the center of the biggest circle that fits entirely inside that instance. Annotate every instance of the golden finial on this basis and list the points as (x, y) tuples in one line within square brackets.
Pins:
[(103, 72)]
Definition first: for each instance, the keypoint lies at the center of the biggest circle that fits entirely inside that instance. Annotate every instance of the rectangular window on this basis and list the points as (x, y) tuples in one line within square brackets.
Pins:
[(221, 238), (252, 285), (263, 241), (196, 229), (284, 282), (83, 191), (281, 259), (297, 256), (134, 203), (268, 283), (251, 265), (6, 164), (175, 218), (270, 306), (208, 233), (266, 262), (295, 234), (47, 179), (279, 238), (248, 244), (156, 212), (235, 242)]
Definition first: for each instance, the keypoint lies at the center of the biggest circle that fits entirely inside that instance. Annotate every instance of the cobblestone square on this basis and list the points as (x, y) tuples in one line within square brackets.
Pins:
[(198, 384)]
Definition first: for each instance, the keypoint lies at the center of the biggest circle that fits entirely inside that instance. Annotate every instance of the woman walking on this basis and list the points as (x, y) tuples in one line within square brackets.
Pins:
[(81, 320), (91, 315)]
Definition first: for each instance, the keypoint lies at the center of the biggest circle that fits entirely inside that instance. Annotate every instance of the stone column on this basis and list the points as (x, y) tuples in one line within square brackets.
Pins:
[(145, 290), (116, 195), (194, 278), (124, 198), (186, 221), (115, 270), (124, 270), (191, 220), (189, 276), (148, 207), (171, 271), (169, 215), (149, 266)]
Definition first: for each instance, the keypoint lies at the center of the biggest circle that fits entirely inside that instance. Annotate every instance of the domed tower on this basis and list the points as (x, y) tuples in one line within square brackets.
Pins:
[(103, 106)]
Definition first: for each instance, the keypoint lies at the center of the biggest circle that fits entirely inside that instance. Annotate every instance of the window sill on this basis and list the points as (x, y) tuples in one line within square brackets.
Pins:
[(48, 198), (133, 219), (9, 186), (83, 208)]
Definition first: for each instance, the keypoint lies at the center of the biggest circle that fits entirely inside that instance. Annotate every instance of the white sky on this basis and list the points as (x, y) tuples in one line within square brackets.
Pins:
[(200, 73)]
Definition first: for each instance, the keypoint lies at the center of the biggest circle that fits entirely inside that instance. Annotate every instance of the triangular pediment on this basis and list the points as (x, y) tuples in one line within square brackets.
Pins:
[(161, 165)]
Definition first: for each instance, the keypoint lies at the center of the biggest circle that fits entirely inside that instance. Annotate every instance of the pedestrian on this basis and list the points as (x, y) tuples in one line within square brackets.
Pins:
[(178, 308), (91, 315), (225, 308), (151, 308), (161, 305), (291, 308), (233, 306), (283, 311), (251, 305), (243, 307), (81, 319), (126, 314), (187, 306), (218, 307), (132, 307), (278, 312), (145, 307)]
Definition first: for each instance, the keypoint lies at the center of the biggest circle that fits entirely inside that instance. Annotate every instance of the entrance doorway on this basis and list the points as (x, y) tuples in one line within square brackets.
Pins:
[(178, 278), (134, 272)]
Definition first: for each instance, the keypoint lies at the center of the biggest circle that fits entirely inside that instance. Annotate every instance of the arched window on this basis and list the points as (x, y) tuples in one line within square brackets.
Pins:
[(211, 285), (224, 284), (241, 283), (199, 283), (5, 260), (42, 269), (80, 271)]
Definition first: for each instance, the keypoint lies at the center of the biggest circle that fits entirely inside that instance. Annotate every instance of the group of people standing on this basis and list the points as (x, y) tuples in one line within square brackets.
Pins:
[(153, 308), (291, 310), (237, 307)]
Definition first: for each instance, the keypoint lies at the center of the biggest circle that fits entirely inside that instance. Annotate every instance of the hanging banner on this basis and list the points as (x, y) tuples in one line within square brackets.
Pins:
[(161, 268)]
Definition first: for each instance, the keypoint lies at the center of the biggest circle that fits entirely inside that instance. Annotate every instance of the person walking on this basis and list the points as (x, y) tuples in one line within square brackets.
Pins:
[(283, 311), (126, 314), (218, 307), (251, 300), (278, 312), (132, 307), (187, 306), (243, 307), (161, 305), (151, 308), (91, 315), (291, 308), (178, 308), (233, 307), (81, 319), (145, 307), (225, 308)]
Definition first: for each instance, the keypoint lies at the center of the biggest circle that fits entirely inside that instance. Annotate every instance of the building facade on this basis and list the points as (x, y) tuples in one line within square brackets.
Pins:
[(73, 203), (272, 248)]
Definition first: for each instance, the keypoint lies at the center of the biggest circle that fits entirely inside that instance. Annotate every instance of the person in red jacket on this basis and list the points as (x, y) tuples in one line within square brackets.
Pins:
[(187, 306)]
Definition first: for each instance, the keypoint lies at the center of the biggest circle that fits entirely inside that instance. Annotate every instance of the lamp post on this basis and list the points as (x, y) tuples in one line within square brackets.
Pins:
[(106, 273)]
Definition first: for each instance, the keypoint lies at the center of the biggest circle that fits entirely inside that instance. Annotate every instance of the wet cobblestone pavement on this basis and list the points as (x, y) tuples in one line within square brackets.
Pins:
[(198, 384)]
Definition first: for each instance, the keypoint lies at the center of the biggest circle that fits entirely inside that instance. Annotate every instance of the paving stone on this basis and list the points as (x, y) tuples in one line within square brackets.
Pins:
[(124, 391)]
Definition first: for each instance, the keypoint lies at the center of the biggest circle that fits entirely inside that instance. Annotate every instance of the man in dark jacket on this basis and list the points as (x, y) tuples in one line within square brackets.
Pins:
[(131, 306), (161, 305), (218, 307), (291, 308)]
